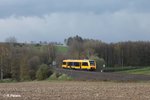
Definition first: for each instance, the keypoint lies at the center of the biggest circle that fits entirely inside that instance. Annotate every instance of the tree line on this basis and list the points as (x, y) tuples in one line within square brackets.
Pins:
[(130, 53), (20, 61)]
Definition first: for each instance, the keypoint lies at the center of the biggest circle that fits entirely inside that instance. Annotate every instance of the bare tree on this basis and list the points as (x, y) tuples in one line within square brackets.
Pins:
[(11, 40), (3, 54)]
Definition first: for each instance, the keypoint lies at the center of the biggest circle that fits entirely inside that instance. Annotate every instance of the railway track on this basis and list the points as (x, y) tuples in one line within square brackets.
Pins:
[(102, 76)]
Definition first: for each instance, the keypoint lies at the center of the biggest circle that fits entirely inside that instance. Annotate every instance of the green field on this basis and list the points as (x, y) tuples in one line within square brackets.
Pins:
[(61, 49), (129, 70), (144, 71)]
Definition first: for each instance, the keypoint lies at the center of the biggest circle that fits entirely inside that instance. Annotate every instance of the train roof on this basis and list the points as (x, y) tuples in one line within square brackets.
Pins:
[(77, 60)]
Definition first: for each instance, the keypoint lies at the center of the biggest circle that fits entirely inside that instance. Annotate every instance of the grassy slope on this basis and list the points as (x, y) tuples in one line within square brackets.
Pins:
[(144, 71), (61, 49)]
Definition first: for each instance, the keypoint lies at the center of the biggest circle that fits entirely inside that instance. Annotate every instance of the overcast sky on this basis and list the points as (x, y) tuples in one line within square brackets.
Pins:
[(55, 20)]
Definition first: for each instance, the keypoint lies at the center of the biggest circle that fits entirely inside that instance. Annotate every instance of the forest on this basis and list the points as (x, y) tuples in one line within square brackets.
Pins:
[(27, 61)]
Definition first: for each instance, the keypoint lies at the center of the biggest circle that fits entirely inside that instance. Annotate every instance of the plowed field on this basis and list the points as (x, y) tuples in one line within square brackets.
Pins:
[(74, 90)]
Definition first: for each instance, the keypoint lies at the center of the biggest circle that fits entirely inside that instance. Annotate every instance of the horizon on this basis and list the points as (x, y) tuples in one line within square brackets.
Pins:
[(63, 42)]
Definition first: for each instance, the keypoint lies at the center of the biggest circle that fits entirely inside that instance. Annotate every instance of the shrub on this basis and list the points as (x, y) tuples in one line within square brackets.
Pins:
[(42, 72), (99, 62)]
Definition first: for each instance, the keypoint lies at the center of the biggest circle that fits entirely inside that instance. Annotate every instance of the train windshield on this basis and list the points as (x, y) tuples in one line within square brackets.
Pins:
[(92, 63), (64, 63)]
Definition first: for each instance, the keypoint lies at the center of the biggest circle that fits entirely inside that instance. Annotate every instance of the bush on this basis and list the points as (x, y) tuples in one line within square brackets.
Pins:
[(99, 62), (42, 72)]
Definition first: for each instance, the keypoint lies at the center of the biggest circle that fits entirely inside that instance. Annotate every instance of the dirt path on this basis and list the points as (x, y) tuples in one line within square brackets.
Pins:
[(104, 76), (74, 90)]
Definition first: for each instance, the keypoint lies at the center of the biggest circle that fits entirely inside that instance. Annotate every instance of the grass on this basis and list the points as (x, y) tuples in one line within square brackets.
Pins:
[(129, 70), (61, 49), (59, 76), (7, 81), (143, 71), (117, 69), (64, 77)]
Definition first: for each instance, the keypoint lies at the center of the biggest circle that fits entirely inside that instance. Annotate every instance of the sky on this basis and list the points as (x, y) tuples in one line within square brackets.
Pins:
[(55, 20)]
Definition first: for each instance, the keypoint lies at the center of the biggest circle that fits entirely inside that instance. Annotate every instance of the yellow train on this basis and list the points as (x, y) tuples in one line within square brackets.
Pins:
[(79, 64)]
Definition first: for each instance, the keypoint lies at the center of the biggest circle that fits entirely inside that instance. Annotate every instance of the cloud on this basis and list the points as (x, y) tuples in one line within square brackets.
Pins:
[(54, 20), (109, 27), (42, 7)]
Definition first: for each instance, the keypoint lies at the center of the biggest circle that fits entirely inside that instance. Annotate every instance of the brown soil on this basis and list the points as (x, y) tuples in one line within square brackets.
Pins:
[(74, 90)]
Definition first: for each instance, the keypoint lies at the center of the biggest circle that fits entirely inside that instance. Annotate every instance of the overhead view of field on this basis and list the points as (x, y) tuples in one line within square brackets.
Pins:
[(74, 90)]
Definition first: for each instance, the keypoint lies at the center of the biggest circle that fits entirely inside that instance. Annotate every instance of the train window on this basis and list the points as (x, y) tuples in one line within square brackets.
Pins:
[(84, 64), (70, 64), (76, 64)]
